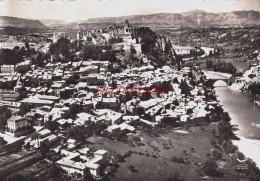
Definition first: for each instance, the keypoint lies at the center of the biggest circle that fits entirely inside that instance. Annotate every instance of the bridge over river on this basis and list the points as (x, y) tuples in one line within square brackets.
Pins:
[(220, 79)]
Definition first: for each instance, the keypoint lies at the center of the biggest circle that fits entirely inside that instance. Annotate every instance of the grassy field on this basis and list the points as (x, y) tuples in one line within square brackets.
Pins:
[(152, 156)]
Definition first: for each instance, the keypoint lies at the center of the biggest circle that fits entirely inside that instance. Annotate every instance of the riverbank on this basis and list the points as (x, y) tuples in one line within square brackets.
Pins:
[(191, 151), (245, 114), (249, 147)]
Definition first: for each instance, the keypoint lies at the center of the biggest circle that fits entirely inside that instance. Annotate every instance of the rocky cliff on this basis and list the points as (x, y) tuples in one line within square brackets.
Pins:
[(159, 50)]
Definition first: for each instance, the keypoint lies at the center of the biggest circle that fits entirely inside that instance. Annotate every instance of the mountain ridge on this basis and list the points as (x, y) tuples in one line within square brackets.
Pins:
[(188, 18)]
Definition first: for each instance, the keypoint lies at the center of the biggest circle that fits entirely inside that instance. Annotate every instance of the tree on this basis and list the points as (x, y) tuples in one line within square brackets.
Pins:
[(2, 141), (132, 50), (51, 125), (209, 64), (174, 177), (91, 52), (254, 88), (5, 114), (98, 127), (185, 88), (35, 136), (27, 46), (44, 147), (216, 154), (27, 146), (61, 47), (77, 133), (221, 66), (39, 60), (11, 57), (96, 53), (73, 79), (132, 168), (16, 177), (16, 49), (54, 172), (210, 168), (23, 51)]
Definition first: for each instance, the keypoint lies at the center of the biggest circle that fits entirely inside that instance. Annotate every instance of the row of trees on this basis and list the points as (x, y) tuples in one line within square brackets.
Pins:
[(40, 58), (221, 66), (11, 57), (64, 50), (61, 48), (97, 53), (14, 56)]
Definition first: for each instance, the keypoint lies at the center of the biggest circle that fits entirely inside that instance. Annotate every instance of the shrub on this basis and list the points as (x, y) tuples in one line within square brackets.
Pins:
[(166, 146), (178, 159), (137, 139), (147, 154), (213, 142), (210, 168), (2, 141), (193, 150), (216, 154), (140, 144), (16, 177), (132, 168), (185, 152), (174, 177)]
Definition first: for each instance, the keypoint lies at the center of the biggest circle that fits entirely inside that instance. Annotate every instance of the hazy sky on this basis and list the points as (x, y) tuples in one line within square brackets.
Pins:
[(72, 10)]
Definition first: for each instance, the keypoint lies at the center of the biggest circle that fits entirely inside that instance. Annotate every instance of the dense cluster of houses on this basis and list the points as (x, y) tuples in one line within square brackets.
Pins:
[(84, 93), (49, 96)]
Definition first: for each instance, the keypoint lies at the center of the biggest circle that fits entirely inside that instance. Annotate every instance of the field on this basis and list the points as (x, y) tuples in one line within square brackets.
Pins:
[(152, 157)]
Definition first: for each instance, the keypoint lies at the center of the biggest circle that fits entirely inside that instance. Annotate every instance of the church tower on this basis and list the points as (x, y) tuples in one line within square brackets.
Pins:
[(19, 85), (198, 21), (54, 38), (126, 27)]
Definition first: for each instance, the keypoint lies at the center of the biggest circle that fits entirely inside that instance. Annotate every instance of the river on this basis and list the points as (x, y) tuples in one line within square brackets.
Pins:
[(246, 115)]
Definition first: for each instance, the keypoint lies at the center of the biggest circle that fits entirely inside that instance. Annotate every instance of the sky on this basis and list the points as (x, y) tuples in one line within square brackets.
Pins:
[(72, 10)]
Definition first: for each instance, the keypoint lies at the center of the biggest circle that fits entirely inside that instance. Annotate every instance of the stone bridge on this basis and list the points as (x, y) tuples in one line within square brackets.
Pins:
[(219, 79)]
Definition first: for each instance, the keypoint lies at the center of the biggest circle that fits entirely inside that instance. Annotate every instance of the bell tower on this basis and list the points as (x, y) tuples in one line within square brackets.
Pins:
[(19, 85)]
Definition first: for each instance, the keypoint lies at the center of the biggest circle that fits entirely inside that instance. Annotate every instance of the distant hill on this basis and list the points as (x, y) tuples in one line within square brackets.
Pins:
[(232, 18), (162, 18), (187, 18), (51, 22), (6, 21)]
